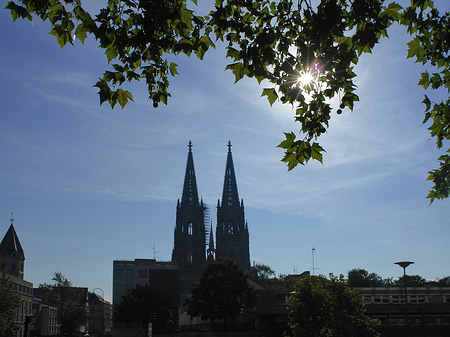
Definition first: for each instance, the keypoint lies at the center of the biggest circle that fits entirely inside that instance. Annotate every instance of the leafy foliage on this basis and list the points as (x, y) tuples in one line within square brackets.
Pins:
[(220, 293), (70, 302), (145, 305), (361, 278), (321, 307), (9, 302), (260, 271), (411, 281), (277, 41)]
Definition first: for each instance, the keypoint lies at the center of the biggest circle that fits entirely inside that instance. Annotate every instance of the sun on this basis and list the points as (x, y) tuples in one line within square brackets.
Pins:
[(306, 78)]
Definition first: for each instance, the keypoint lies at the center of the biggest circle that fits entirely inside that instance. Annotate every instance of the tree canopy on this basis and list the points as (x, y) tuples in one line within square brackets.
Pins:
[(144, 305), (260, 271), (321, 307), (70, 302), (9, 302), (220, 293), (305, 52)]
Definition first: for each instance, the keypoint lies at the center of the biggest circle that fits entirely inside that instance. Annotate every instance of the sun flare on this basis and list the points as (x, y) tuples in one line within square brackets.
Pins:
[(306, 78)]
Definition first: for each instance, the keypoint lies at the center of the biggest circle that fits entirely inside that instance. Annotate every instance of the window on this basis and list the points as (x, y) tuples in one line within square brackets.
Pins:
[(130, 273), (417, 299), (230, 229), (189, 261), (189, 230), (142, 273)]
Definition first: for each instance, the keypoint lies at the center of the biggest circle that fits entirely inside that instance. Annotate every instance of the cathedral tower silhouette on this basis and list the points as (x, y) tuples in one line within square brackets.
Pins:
[(189, 250), (232, 238)]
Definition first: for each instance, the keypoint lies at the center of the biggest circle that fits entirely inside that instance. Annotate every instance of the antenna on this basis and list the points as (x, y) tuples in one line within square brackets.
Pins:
[(154, 252), (295, 270), (313, 252)]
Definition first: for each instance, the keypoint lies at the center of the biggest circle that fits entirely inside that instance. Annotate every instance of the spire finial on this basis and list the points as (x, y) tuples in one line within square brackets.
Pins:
[(229, 146), (190, 146), (12, 218)]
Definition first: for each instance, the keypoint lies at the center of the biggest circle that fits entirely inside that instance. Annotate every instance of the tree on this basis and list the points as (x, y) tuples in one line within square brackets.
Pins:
[(321, 307), (9, 302), (361, 278), (70, 302), (411, 281), (261, 271), (220, 293), (306, 54), (144, 305)]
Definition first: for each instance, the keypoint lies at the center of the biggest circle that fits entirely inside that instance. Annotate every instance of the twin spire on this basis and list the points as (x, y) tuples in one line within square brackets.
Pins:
[(190, 192), (230, 194)]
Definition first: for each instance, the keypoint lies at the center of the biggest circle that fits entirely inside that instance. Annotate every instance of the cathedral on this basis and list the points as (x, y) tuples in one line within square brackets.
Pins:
[(194, 241)]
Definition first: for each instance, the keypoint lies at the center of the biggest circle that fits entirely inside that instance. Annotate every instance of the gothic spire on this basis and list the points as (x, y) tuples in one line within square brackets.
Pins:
[(190, 193), (211, 239), (230, 195), (11, 244)]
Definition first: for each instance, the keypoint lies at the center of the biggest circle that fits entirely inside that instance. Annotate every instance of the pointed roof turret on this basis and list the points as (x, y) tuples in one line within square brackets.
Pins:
[(190, 192), (11, 244), (211, 239), (230, 195)]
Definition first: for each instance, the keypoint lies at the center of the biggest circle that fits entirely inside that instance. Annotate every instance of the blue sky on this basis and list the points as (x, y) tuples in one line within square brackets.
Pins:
[(89, 185)]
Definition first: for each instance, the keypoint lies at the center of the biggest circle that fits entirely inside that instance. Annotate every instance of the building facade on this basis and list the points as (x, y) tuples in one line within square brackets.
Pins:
[(100, 316), (45, 319), (12, 261), (428, 310), (161, 276)]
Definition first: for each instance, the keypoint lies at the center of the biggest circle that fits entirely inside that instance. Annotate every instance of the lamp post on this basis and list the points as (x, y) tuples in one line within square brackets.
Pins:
[(405, 264)]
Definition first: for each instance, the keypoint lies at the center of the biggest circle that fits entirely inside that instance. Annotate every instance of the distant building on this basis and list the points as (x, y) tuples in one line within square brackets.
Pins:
[(161, 276), (79, 298), (428, 310), (100, 316), (12, 259), (45, 319)]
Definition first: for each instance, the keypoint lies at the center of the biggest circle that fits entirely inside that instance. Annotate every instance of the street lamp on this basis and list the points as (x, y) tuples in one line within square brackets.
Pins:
[(405, 264)]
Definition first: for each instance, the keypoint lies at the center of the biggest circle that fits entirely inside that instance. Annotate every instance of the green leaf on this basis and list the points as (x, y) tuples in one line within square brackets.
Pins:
[(238, 70), (271, 94), (316, 150), (393, 11), (416, 49), (173, 69), (111, 53), (123, 96), (427, 103), (81, 33)]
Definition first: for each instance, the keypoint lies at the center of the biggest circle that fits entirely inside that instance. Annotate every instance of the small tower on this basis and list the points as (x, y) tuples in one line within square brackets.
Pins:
[(189, 236), (232, 238), (211, 250), (12, 257)]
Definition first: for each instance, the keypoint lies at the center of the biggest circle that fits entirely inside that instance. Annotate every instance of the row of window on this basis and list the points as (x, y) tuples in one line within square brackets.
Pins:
[(413, 319), (13, 266), (398, 299), (23, 311), (23, 289)]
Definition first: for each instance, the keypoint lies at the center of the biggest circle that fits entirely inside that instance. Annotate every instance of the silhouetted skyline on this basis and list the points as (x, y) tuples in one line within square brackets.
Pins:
[(89, 185)]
